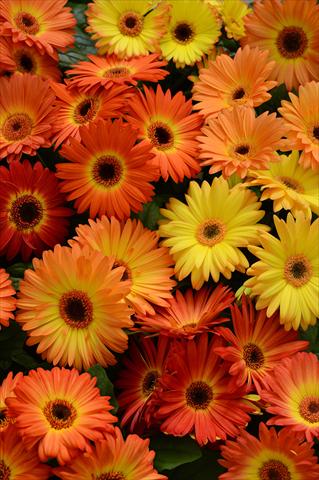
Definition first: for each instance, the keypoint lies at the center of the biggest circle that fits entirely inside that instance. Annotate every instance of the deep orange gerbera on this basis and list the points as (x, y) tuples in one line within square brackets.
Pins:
[(77, 109), (147, 266), (289, 30), (16, 463), (257, 344), (7, 302), (138, 380), (238, 140), (32, 212), (227, 82), (292, 395), (114, 459), (197, 395), (190, 313), (72, 306), (271, 456), (60, 412), (109, 172), (26, 115), (167, 124), (301, 117), (7, 390), (19, 58), (48, 24), (109, 70)]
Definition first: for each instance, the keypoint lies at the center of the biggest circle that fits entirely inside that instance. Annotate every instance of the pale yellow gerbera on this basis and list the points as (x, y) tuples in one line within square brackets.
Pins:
[(232, 13)]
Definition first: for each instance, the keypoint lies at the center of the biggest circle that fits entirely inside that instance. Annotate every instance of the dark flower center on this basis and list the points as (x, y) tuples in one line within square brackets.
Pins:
[(199, 395), (238, 93), (24, 62), (242, 149), (309, 409), (76, 309), (27, 23), (315, 132), (149, 382), (274, 470), (211, 232), (60, 414), (107, 171), (291, 183), (4, 471), (253, 356), (183, 32), (297, 270), (160, 135), (131, 24), (292, 42), (4, 419), (26, 212), (117, 72), (86, 110), (17, 127), (111, 476)]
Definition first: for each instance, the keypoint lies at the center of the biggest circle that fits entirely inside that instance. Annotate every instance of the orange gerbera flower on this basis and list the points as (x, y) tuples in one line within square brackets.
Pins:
[(257, 344), (167, 124), (115, 459), (7, 390), (190, 313), (301, 117), (72, 306), (26, 115), (197, 395), (237, 141), (77, 109), (48, 24), (293, 395), (109, 70), (19, 58), (147, 266), (109, 172), (138, 381), (227, 82), (271, 456), (289, 29), (7, 302), (60, 412), (16, 463), (32, 212)]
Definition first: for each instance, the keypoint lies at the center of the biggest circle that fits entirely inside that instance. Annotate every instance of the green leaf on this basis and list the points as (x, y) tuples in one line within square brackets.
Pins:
[(17, 269), (205, 468), (104, 384), (78, 11), (82, 47), (312, 336), (150, 215), (174, 451)]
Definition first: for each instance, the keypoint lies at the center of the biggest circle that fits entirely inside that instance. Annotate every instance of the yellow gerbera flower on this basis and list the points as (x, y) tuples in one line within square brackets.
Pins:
[(204, 236), (232, 13), (192, 32), (286, 277), (289, 185)]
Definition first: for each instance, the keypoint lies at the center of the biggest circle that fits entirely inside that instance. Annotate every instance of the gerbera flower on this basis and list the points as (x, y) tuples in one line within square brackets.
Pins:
[(109, 172), (289, 185), (77, 109), (138, 379), (48, 25), (60, 412), (125, 28), (257, 344), (301, 117), (204, 236), (7, 301), (286, 277), (169, 126), (116, 459), (32, 215), (134, 247), (289, 29), (109, 70), (72, 306), (16, 463), (232, 14), (197, 396), (293, 395), (227, 82), (26, 118), (190, 313), (19, 58), (192, 32), (238, 140), (271, 456), (7, 390)]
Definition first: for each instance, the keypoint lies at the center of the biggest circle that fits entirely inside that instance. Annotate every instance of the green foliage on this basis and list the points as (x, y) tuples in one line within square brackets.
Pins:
[(312, 336), (174, 451), (204, 468), (104, 384)]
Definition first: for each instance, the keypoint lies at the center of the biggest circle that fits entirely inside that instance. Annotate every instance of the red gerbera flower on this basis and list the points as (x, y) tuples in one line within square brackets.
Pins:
[(32, 215), (7, 302)]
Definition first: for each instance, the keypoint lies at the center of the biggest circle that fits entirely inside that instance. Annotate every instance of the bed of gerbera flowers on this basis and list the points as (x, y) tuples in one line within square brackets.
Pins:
[(159, 239)]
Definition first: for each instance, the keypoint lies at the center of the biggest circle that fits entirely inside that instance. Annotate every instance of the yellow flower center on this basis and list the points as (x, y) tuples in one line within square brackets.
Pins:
[(26, 212), (76, 309), (161, 135), (24, 61), (17, 127), (274, 470), (111, 476), (27, 23), (60, 414), (291, 183), (86, 110), (4, 471), (199, 395), (292, 42), (131, 24), (309, 409), (253, 356), (149, 382), (211, 232), (117, 72), (107, 171), (297, 270), (183, 33)]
